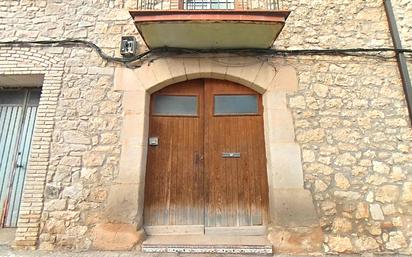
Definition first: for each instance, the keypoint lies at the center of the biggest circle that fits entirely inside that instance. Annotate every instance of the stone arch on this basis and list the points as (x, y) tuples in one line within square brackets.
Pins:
[(285, 175), (30, 62)]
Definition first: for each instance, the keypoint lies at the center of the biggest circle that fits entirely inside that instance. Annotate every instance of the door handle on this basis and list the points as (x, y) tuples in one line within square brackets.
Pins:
[(198, 158), (231, 155)]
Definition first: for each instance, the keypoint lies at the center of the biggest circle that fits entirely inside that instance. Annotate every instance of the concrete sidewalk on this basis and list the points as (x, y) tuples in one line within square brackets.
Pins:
[(11, 253)]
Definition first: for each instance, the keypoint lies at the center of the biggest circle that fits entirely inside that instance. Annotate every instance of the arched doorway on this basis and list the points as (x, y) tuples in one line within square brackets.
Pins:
[(206, 164)]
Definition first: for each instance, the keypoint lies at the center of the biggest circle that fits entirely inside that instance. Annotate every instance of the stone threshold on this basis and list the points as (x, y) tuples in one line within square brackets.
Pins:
[(207, 244)]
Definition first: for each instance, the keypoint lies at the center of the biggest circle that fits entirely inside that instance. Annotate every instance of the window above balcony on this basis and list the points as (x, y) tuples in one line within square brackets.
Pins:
[(208, 5), (209, 24)]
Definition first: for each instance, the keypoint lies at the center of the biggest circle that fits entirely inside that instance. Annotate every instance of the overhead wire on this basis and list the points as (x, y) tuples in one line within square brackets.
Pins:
[(382, 53), (76, 42)]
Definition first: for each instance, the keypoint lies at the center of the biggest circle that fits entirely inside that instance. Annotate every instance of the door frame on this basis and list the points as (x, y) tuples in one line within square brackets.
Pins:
[(284, 166)]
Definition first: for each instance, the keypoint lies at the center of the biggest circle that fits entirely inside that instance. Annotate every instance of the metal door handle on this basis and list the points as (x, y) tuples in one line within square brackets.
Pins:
[(198, 158), (231, 155)]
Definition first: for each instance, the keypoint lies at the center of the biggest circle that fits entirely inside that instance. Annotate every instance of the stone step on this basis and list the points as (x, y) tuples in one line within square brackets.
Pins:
[(207, 244)]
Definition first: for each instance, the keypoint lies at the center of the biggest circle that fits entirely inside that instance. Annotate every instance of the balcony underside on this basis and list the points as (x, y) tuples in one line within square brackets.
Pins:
[(209, 29)]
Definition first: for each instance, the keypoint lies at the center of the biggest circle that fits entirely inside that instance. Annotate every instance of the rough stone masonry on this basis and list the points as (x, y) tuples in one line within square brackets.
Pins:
[(350, 119)]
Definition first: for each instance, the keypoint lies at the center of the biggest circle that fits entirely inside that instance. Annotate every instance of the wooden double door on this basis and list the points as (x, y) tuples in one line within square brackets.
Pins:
[(206, 169)]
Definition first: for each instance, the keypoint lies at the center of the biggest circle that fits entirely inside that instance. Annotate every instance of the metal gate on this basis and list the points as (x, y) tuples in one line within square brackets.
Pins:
[(18, 110)]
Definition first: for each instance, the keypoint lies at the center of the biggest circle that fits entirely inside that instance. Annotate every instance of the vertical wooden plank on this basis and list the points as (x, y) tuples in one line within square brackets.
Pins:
[(244, 211), (19, 177), (7, 153), (254, 176), (207, 158)]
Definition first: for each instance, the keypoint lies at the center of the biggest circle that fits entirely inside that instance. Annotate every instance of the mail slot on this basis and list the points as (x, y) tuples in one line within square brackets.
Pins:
[(231, 155)]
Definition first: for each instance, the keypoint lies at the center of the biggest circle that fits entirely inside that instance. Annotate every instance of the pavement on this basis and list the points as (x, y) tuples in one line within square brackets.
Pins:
[(8, 252)]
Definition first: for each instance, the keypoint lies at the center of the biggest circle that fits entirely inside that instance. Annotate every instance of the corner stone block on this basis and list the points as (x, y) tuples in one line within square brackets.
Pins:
[(250, 71), (302, 240), (192, 67), (265, 75), (116, 237), (218, 69), (122, 203), (243, 70), (275, 100), (280, 126), (134, 102), (160, 69), (177, 69), (133, 129), (132, 165), (234, 71), (126, 79), (286, 80), (147, 77), (205, 67), (293, 208), (286, 166)]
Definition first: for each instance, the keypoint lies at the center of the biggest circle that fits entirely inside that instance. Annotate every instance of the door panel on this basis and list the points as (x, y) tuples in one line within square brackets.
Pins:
[(21, 167), (209, 166), (236, 188), (18, 110), (174, 177), (10, 118)]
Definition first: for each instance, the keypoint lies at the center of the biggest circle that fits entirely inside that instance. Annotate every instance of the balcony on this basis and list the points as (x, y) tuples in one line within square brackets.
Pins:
[(209, 24)]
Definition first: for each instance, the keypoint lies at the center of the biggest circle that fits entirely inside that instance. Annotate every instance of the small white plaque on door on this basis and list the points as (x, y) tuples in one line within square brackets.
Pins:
[(153, 141)]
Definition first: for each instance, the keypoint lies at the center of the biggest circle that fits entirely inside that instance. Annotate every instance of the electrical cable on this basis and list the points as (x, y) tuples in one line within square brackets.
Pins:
[(371, 52), (271, 51), (76, 42)]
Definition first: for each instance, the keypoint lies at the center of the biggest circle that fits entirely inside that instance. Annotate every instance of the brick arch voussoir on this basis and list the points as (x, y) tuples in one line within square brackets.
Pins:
[(31, 57)]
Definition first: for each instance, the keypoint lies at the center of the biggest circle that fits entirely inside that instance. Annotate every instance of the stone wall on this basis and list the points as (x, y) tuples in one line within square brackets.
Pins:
[(352, 123), (403, 13), (85, 149), (349, 114)]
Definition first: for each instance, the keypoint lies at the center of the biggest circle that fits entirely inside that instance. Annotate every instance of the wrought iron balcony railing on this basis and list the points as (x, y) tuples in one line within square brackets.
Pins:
[(208, 4)]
